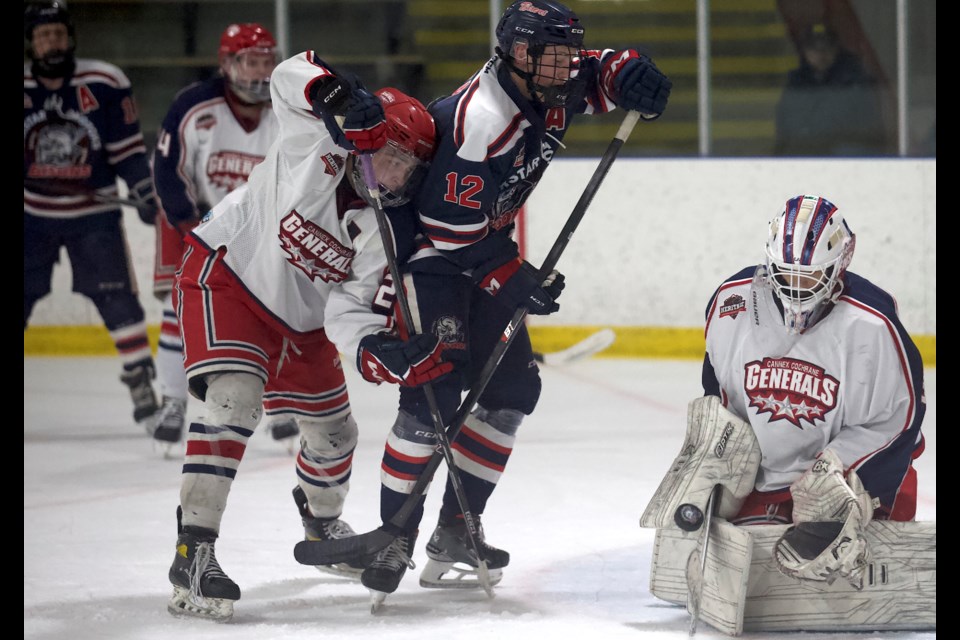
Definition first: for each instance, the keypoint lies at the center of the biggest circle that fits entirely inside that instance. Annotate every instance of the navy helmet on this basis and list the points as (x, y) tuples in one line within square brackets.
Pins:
[(51, 11), (53, 64), (539, 22)]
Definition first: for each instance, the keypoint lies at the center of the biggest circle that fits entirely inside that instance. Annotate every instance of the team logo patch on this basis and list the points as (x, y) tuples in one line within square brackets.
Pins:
[(791, 390), (733, 306), (314, 251), (450, 331), (332, 162), (230, 169)]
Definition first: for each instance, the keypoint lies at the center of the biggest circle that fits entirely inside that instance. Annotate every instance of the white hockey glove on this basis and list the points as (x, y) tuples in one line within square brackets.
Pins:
[(829, 515)]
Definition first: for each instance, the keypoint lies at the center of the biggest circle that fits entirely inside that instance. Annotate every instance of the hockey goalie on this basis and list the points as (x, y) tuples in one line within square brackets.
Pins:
[(791, 504)]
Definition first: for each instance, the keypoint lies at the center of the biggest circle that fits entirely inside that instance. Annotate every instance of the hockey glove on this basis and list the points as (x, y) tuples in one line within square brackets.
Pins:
[(515, 284), (144, 198), (829, 514), (353, 115), (635, 84), (409, 363)]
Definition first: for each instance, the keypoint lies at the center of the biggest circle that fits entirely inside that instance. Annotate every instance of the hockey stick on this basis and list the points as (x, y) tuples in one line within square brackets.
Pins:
[(386, 237), (364, 546), (594, 343), (60, 189), (696, 591)]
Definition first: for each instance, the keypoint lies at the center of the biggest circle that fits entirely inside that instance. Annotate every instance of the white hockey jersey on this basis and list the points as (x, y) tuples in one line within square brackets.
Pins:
[(304, 255), (853, 382), (204, 151)]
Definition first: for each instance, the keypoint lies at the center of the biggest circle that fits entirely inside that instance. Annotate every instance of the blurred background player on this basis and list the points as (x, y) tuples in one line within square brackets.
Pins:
[(213, 136), (496, 136), (815, 358), (80, 133), (282, 273)]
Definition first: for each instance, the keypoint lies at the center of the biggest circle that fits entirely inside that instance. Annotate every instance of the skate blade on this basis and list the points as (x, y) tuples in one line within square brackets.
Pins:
[(340, 570), (183, 604), (462, 576), (376, 599)]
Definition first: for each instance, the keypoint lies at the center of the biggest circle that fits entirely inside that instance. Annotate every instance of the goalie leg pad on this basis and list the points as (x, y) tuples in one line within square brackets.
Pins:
[(719, 448)]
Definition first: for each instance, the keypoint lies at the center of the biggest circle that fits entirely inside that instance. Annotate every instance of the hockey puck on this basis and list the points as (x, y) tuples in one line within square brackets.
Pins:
[(688, 517)]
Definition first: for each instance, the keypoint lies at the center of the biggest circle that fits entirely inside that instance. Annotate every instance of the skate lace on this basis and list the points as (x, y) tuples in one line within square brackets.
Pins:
[(204, 565), (172, 410), (338, 529), (394, 556)]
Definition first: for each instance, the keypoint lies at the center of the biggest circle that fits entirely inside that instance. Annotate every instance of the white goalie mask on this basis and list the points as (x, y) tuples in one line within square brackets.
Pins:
[(808, 251)]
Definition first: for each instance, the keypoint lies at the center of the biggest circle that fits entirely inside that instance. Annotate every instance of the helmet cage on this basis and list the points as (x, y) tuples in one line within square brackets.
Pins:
[(808, 251), (252, 90)]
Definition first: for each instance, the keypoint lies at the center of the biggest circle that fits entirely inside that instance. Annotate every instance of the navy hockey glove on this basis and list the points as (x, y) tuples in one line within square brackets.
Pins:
[(144, 198), (635, 84), (515, 284), (353, 115), (409, 363)]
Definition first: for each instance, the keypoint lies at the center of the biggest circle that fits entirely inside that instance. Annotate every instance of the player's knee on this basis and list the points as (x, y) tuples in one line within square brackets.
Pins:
[(447, 393), (118, 309), (328, 439), (234, 399), (506, 421), (520, 393)]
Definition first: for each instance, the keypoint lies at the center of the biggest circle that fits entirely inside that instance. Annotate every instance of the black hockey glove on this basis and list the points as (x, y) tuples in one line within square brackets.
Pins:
[(635, 83), (144, 198), (409, 363), (363, 127), (515, 284)]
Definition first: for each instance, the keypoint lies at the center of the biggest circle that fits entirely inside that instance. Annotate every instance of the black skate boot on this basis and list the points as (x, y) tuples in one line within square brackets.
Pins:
[(326, 529), (141, 391), (200, 587), (449, 550), (383, 575), (170, 420)]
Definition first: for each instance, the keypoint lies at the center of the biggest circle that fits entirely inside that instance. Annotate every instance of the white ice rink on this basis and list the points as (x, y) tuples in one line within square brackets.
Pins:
[(99, 520)]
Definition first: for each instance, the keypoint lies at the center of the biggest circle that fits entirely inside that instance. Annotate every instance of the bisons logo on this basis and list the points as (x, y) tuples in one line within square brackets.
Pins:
[(230, 169), (58, 144), (733, 306), (791, 390), (313, 250), (450, 331)]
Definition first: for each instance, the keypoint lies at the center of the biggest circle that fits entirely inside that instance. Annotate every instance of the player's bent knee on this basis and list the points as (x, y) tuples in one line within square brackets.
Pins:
[(329, 439), (506, 421), (118, 310), (234, 399)]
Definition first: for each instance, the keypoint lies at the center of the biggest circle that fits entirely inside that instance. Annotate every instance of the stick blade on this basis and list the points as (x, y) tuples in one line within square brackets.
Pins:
[(589, 346), (355, 549)]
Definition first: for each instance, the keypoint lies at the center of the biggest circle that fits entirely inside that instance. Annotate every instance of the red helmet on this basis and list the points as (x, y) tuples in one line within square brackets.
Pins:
[(408, 123), (238, 38)]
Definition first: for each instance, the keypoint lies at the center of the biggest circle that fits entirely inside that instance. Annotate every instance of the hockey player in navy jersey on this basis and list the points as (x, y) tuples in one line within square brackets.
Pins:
[(811, 360), (497, 135), (213, 135), (284, 272), (80, 133)]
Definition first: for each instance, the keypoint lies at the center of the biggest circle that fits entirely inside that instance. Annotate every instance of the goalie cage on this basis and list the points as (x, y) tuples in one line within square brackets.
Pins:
[(899, 589)]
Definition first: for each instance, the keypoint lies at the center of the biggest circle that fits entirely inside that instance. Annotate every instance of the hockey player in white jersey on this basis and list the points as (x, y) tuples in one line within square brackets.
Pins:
[(284, 272), (213, 135), (815, 369)]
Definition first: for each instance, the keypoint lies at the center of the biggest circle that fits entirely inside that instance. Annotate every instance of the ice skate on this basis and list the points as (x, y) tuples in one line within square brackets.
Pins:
[(200, 587), (138, 379), (169, 423), (383, 575), (326, 529), (285, 432), (453, 563)]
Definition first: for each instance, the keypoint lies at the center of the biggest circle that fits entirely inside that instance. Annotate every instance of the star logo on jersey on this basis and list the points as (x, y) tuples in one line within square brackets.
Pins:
[(733, 306), (791, 390), (332, 163), (313, 250)]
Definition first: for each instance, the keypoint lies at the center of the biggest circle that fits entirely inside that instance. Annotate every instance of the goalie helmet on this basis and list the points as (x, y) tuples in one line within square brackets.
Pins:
[(248, 54), (53, 63), (544, 27), (808, 251), (403, 162)]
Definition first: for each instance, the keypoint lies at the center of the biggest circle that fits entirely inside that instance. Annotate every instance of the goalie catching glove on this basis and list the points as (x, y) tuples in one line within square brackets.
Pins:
[(409, 363), (829, 514)]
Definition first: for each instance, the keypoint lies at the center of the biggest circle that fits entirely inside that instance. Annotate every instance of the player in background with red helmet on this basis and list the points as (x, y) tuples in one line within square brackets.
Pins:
[(213, 135), (284, 272)]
